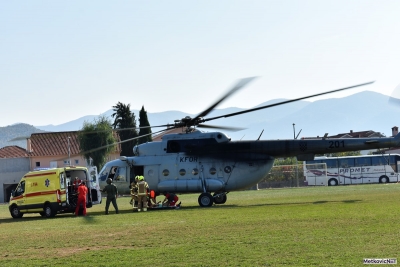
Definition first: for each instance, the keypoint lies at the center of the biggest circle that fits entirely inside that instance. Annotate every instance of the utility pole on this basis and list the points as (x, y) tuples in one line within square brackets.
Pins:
[(69, 152)]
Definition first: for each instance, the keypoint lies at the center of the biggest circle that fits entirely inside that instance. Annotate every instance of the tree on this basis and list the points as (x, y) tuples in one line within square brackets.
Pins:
[(342, 154), (286, 161), (125, 119), (95, 141), (143, 122)]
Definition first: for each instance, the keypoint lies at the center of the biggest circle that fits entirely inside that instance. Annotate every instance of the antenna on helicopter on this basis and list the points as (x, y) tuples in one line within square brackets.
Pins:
[(260, 134), (298, 134), (294, 132)]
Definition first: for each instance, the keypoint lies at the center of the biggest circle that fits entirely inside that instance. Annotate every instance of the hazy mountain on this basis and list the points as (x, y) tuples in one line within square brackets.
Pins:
[(18, 131), (359, 112)]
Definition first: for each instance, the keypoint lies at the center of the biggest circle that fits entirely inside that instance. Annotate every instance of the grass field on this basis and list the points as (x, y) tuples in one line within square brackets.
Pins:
[(316, 226)]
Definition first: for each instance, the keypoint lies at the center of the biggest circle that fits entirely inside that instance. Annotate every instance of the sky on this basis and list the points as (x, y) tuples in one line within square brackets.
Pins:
[(60, 61)]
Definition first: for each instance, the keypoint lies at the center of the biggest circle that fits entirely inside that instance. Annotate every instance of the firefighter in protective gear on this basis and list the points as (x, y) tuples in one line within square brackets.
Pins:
[(134, 198), (142, 192)]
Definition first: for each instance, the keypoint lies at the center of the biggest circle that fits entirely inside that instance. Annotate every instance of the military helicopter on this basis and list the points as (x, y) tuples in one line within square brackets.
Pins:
[(211, 164)]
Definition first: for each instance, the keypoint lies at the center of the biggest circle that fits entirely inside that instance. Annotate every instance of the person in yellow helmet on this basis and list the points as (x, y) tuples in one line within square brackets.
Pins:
[(142, 192), (134, 198), (133, 191)]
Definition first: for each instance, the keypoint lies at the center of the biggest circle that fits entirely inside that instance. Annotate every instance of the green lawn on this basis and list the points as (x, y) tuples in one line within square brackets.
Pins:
[(316, 226)]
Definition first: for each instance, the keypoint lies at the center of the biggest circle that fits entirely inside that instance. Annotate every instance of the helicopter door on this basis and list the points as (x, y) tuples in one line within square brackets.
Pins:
[(134, 171), (150, 174), (94, 185)]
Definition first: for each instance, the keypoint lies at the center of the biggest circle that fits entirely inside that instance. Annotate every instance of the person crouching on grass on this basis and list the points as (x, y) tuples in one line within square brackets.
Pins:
[(170, 200)]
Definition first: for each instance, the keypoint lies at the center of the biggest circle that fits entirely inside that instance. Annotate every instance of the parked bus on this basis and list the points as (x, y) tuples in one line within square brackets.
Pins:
[(369, 169)]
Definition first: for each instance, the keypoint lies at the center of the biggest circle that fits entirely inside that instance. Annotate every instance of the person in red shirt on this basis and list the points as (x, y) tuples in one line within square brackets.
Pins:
[(82, 192), (170, 199)]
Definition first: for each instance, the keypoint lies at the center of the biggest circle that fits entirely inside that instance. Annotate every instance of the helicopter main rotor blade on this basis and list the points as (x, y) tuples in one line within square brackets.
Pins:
[(127, 129), (284, 102), (20, 138), (228, 128), (117, 143), (240, 84)]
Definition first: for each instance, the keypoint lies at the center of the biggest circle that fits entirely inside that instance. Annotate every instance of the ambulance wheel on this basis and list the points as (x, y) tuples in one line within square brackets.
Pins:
[(48, 211), (206, 200), (219, 198), (15, 213)]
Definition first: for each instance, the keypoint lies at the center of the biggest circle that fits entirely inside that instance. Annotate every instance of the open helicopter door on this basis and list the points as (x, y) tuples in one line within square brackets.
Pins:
[(94, 185), (134, 171)]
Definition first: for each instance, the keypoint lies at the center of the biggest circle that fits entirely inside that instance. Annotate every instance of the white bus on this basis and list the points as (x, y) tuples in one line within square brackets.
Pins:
[(369, 169)]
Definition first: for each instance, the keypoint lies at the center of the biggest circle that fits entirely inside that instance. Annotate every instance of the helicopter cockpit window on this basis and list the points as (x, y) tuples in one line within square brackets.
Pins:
[(120, 174), (176, 146), (173, 147), (104, 173)]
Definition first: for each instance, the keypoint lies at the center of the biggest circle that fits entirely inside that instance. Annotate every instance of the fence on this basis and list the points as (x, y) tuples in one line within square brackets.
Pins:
[(283, 176)]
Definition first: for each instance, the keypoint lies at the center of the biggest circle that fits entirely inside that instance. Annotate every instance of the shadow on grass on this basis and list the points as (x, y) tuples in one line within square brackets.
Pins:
[(314, 202), (91, 216)]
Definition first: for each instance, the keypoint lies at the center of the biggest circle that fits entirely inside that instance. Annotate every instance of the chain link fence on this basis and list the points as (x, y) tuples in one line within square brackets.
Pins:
[(284, 176)]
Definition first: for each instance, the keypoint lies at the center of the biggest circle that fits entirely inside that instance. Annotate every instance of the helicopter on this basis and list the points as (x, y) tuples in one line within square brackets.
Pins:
[(211, 164)]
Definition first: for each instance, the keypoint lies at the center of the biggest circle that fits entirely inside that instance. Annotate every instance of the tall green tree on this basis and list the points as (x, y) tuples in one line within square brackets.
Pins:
[(125, 119), (96, 141), (145, 133)]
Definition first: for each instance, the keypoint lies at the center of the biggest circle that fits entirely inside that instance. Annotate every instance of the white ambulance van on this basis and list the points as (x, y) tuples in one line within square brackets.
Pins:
[(52, 191)]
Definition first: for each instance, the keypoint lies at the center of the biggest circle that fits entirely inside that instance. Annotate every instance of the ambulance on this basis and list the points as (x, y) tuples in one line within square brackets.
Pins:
[(52, 191)]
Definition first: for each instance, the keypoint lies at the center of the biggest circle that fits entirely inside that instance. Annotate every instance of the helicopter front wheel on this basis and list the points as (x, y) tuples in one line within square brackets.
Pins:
[(206, 200), (219, 198)]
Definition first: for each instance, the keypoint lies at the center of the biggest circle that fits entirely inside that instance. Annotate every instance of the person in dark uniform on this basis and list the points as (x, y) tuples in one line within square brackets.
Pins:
[(112, 194)]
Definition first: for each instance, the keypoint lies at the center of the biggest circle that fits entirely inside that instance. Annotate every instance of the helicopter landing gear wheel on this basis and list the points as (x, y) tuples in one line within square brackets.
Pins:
[(219, 198), (206, 200)]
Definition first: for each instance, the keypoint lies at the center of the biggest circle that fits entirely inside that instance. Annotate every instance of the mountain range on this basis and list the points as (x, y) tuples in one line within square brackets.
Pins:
[(362, 111)]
